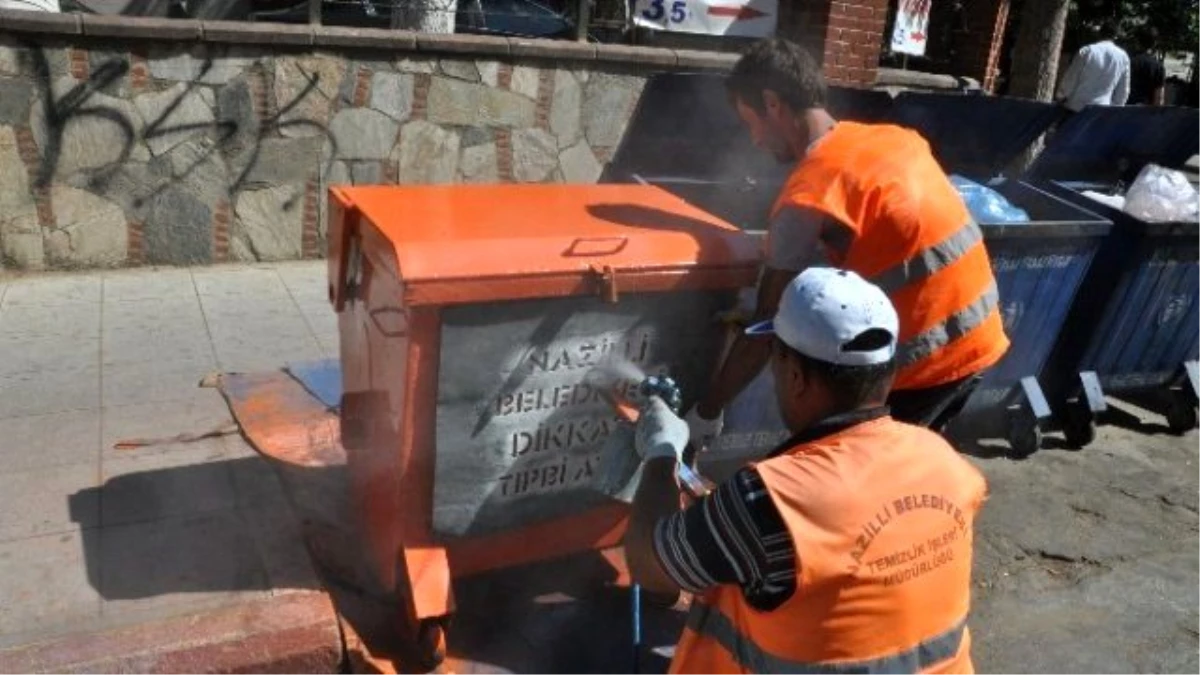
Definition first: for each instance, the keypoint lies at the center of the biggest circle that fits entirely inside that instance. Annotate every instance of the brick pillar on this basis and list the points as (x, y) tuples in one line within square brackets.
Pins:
[(978, 48), (844, 37)]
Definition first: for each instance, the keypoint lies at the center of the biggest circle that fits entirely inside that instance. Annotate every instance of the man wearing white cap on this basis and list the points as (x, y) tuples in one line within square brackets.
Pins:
[(848, 548)]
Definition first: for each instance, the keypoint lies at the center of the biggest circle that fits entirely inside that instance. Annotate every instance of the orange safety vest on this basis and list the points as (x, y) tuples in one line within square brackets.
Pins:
[(914, 238), (881, 516)]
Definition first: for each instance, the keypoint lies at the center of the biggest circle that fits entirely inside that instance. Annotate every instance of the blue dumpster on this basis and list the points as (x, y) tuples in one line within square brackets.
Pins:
[(708, 159), (1134, 328), (686, 138), (1038, 265), (974, 135)]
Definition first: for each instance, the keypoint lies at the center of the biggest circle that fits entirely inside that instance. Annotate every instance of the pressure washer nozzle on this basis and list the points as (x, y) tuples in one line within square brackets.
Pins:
[(665, 388)]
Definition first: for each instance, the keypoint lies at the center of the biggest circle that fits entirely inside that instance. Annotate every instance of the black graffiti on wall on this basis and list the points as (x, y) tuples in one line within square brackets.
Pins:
[(79, 102)]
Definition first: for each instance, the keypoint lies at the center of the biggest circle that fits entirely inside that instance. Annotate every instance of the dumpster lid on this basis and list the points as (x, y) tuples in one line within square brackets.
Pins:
[(1112, 143), (461, 235), (868, 106), (684, 127), (972, 134)]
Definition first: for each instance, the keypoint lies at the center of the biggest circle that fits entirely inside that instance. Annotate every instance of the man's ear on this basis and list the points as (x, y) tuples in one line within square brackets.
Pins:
[(771, 102), (797, 378)]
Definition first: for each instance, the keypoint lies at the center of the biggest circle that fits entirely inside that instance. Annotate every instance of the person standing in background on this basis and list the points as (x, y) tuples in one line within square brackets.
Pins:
[(1147, 74), (1098, 75)]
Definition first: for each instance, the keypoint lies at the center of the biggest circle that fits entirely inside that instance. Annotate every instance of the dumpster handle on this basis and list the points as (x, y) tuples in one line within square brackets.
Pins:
[(606, 282), (602, 246)]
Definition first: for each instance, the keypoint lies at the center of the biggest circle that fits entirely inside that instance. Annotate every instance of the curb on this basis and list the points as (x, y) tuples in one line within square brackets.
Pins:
[(290, 633)]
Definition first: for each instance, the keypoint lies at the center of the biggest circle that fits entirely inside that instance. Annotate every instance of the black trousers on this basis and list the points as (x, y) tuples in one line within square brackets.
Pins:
[(933, 407)]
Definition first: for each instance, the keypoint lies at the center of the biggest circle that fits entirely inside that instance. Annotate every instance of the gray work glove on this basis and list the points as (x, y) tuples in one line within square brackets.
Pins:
[(660, 432), (704, 431)]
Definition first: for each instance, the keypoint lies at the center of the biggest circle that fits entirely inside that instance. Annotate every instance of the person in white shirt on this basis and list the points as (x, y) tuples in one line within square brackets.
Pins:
[(1099, 75)]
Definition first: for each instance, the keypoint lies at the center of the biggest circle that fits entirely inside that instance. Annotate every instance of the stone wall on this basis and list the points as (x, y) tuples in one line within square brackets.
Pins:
[(127, 142)]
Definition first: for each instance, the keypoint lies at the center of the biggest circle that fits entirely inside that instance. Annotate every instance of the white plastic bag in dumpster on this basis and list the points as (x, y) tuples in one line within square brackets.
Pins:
[(1112, 201), (1162, 195)]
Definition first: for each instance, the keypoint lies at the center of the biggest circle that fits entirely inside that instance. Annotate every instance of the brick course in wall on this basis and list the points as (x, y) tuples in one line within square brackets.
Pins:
[(220, 230), (846, 38)]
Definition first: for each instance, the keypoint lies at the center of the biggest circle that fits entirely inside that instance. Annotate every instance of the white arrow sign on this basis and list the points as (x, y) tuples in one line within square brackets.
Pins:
[(738, 18)]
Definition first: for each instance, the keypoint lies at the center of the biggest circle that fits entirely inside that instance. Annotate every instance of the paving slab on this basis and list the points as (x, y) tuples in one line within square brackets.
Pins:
[(80, 321), (184, 524), (50, 391), (54, 439), (45, 587), (32, 504), (53, 290), (140, 284)]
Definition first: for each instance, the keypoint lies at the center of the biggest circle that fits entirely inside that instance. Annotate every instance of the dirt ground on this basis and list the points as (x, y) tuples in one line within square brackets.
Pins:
[(1086, 561)]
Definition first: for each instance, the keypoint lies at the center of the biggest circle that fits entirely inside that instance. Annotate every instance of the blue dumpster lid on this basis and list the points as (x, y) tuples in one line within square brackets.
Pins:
[(684, 127), (860, 105), (974, 135), (1108, 144)]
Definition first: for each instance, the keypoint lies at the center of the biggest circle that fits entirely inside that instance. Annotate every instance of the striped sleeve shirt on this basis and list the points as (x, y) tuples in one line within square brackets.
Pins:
[(734, 535)]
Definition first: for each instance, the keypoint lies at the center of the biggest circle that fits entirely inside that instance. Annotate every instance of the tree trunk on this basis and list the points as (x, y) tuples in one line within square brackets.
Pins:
[(1193, 95), (1039, 42), (424, 16)]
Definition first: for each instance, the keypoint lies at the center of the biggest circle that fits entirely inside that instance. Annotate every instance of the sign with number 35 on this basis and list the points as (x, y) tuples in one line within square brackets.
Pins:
[(740, 18)]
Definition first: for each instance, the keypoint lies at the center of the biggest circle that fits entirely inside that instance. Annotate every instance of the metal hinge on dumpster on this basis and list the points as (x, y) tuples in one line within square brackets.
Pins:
[(606, 280)]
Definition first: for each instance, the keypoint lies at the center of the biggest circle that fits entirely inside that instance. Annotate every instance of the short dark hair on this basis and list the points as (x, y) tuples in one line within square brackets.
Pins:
[(785, 68), (1145, 38), (852, 386)]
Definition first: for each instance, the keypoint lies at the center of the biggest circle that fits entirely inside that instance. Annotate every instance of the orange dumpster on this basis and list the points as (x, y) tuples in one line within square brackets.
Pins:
[(470, 319)]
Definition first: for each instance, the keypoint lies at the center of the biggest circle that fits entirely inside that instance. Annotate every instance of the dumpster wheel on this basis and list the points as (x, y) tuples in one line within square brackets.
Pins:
[(1079, 426), (1181, 415), (1023, 433)]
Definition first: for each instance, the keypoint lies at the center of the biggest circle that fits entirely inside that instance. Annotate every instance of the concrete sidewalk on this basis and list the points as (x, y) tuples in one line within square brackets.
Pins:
[(93, 537)]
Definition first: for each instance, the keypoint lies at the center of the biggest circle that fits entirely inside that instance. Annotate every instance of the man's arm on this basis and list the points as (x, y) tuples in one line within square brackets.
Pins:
[(1070, 79), (734, 535), (657, 497), (1121, 95), (798, 239), (748, 355), (1159, 97)]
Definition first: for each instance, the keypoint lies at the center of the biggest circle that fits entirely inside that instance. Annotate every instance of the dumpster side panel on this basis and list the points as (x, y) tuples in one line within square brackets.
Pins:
[(1147, 329), (374, 356), (1135, 320), (1037, 281), (1176, 316), (524, 423)]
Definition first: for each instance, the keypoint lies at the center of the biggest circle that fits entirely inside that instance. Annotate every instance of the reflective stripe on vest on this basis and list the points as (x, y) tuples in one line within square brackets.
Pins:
[(929, 261), (710, 622), (955, 326)]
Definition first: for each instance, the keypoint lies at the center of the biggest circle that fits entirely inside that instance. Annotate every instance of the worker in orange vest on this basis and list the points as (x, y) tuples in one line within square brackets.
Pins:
[(848, 548), (871, 198)]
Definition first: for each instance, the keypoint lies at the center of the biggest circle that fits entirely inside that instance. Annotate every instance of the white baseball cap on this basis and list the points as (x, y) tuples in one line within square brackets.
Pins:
[(824, 309)]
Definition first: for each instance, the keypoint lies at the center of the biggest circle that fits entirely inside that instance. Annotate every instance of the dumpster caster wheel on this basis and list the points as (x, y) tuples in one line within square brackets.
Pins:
[(431, 641), (1024, 435), (1079, 427), (1181, 415)]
